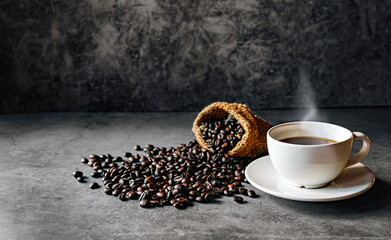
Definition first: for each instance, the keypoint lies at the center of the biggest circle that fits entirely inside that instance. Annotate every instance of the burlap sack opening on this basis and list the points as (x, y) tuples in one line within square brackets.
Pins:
[(253, 142)]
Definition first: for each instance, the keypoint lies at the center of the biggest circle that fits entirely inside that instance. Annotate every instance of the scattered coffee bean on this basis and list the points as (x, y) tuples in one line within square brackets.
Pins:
[(149, 147), (96, 175), (94, 185), (137, 148), (84, 160), (238, 199), (80, 179), (243, 191), (77, 174), (251, 193)]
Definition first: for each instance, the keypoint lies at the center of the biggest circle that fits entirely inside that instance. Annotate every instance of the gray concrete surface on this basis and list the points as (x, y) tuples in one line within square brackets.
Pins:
[(40, 199)]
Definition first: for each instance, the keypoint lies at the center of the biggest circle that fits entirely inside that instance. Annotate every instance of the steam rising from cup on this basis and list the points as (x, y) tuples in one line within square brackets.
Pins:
[(306, 98)]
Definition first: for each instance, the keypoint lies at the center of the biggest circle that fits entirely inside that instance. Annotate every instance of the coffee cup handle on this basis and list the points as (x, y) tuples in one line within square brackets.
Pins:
[(366, 147)]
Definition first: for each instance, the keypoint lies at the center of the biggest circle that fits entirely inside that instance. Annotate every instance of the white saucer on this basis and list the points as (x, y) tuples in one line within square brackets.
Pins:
[(352, 182)]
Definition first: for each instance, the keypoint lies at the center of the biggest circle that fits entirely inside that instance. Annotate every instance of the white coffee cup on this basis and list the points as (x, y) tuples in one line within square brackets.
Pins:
[(313, 166)]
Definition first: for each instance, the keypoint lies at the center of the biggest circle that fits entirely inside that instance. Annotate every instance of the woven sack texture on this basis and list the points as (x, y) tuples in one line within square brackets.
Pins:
[(253, 142)]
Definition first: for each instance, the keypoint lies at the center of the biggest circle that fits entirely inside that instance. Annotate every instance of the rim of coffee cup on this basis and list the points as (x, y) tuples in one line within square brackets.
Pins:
[(347, 138)]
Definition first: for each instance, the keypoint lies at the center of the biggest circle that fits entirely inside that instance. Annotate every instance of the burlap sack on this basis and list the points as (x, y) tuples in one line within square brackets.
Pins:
[(253, 142)]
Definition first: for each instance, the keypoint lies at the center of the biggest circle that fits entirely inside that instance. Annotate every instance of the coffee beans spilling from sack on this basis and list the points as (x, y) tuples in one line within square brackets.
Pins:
[(198, 171), (253, 141), (221, 135)]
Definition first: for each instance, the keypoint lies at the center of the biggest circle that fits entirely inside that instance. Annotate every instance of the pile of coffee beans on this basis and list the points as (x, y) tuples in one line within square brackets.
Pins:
[(177, 176)]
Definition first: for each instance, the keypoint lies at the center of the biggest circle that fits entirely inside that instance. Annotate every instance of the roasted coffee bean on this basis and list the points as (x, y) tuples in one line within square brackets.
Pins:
[(180, 205), (77, 174), (145, 203), (127, 154), (237, 184), (84, 160), (116, 178), (124, 181), (199, 199), (208, 197), (165, 202), (239, 178), (149, 147), (145, 195), (96, 164), (113, 164), (193, 193), (251, 193), (227, 193), (94, 185), (106, 181), (116, 192), (81, 179), (117, 159), (108, 191), (182, 199), (108, 161), (96, 168), (96, 175), (155, 203), (238, 199), (234, 190), (215, 183), (243, 191), (117, 186), (132, 195), (122, 197), (137, 148), (160, 194), (179, 195)]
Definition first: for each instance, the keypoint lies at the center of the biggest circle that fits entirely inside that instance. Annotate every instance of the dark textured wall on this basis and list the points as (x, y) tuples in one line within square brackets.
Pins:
[(163, 55)]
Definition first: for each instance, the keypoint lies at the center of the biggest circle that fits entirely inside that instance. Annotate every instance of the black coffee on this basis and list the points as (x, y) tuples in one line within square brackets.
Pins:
[(307, 140)]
